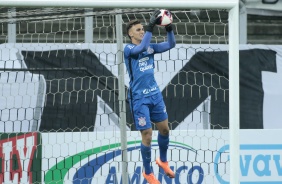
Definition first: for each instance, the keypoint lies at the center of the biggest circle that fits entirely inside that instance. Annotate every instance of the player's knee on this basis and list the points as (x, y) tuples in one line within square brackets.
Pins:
[(147, 135), (164, 132)]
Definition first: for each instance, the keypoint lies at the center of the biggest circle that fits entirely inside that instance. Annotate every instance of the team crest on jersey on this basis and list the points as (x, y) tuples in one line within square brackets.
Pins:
[(150, 50), (142, 121)]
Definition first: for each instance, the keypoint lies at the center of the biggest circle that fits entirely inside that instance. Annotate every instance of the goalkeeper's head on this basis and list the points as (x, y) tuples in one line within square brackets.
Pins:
[(129, 26)]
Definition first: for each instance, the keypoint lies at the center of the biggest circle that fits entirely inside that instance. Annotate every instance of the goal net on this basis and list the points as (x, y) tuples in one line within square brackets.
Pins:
[(64, 87)]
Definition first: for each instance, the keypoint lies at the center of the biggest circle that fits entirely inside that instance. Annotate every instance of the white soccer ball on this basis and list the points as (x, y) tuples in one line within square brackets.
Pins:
[(166, 18)]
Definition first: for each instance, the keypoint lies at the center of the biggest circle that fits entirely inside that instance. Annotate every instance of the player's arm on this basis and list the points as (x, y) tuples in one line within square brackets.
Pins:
[(170, 43), (148, 35), (143, 45)]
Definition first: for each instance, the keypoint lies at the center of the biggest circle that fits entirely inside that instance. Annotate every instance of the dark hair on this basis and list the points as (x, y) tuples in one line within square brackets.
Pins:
[(130, 24)]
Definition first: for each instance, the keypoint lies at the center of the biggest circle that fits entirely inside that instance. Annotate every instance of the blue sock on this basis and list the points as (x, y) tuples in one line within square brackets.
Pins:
[(163, 142), (146, 157)]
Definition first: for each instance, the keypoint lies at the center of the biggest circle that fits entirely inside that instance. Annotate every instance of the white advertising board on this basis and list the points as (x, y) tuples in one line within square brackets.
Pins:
[(196, 156)]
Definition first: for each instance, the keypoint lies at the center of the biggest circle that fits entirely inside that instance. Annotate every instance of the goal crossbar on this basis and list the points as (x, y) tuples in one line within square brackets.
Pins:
[(214, 4)]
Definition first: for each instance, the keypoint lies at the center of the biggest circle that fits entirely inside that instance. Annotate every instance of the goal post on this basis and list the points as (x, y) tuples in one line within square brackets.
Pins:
[(234, 92), (232, 6)]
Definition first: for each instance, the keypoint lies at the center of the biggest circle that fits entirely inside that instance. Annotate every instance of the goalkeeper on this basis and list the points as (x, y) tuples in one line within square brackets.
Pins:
[(145, 98)]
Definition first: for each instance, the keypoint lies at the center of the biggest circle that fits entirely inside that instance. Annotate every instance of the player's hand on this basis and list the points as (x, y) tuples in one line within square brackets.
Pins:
[(155, 18), (168, 28)]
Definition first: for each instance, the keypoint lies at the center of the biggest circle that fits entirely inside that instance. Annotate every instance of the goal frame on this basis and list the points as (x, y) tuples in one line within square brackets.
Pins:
[(231, 5)]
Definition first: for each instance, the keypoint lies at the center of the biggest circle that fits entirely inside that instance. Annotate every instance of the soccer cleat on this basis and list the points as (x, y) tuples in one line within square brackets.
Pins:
[(151, 179), (165, 167)]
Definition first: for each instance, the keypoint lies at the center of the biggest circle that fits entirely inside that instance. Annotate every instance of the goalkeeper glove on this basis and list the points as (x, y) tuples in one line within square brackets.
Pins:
[(168, 28), (154, 20)]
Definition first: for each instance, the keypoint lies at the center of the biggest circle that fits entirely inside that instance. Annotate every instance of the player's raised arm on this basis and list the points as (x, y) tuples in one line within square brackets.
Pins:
[(170, 43), (135, 32)]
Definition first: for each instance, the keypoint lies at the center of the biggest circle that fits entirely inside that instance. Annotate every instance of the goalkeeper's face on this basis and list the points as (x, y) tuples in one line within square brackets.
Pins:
[(136, 33)]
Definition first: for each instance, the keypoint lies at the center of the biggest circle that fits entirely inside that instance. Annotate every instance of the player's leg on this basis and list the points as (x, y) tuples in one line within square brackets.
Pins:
[(163, 141), (146, 149), (146, 156), (142, 122), (163, 138), (160, 117)]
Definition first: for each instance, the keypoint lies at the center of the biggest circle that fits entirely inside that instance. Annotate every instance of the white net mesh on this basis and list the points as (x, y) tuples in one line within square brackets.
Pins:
[(60, 93)]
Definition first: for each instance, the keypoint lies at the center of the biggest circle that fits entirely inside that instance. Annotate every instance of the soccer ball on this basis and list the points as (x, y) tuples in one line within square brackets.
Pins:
[(166, 18)]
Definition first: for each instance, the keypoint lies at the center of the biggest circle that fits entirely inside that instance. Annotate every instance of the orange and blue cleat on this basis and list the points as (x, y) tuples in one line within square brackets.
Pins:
[(165, 167)]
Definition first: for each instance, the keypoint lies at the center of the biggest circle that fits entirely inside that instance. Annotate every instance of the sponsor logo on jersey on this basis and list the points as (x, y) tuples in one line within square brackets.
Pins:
[(143, 65), (147, 91), (144, 59), (147, 67)]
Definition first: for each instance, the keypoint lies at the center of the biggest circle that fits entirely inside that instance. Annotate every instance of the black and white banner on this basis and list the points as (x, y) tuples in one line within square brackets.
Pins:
[(193, 80)]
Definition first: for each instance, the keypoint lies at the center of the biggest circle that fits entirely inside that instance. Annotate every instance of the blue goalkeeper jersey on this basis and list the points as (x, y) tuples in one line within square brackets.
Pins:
[(139, 61)]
